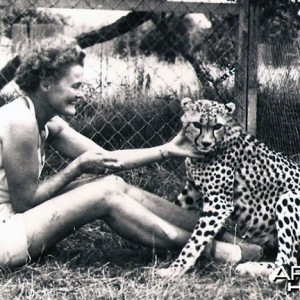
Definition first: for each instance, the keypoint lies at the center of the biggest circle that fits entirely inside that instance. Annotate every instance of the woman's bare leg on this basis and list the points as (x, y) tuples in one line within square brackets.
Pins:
[(163, 208), (103, 198), (182, 218), (186, 219)]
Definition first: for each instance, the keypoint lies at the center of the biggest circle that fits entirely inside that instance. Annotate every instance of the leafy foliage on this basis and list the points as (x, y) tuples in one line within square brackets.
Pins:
[(170, 40), (170, 35), (280, 20), (278, 23), (166, 43), (218, 43)]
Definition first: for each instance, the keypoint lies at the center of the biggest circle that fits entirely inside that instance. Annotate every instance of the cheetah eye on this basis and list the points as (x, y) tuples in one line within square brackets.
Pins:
[(218, 126), (77, 85), (197, 125)]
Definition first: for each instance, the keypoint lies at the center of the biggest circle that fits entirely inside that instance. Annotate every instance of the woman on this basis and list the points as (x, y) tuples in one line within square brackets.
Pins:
[(35, 215)]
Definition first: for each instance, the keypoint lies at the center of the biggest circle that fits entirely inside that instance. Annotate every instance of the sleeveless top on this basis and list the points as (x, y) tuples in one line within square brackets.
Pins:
[(4, 190)]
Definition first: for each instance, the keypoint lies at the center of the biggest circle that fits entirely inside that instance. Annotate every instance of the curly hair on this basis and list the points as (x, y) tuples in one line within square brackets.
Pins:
[(49, 59)]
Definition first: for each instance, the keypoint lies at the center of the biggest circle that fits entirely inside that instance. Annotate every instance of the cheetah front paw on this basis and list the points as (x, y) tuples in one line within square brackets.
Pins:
[(254, 269), (169, 272)]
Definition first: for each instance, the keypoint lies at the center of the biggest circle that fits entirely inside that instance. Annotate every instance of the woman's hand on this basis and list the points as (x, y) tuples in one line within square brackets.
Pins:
[(93, 162), (180, 146)]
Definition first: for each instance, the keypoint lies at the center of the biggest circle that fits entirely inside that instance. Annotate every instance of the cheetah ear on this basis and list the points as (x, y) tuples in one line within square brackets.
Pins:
[(185, 102), (230, 107)]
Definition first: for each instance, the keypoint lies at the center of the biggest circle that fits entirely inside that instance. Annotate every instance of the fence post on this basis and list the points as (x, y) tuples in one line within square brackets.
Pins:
[(246, 66)]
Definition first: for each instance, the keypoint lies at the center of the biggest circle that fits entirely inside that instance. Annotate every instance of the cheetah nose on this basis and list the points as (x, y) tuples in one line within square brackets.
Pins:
[(206, 144)]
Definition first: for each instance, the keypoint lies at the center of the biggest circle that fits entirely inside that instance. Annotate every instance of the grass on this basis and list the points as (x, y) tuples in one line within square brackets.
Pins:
[(95, 263), (279, 111)]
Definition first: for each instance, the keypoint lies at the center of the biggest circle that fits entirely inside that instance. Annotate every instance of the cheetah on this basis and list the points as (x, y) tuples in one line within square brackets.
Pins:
[(240, 178)]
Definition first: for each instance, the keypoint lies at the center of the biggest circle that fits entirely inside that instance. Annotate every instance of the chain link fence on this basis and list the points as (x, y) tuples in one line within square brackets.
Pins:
[(138, 66), (278, 92), (142, 58)]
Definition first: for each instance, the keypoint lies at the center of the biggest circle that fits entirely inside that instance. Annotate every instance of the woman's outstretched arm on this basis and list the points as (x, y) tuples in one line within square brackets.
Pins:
[(72, 144)]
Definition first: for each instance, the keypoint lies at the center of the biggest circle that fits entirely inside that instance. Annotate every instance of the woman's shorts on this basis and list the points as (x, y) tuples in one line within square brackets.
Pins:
[(13, 238)]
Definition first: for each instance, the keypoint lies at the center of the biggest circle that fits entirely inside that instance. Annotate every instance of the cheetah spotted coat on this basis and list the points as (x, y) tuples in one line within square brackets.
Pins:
[(238, 178)]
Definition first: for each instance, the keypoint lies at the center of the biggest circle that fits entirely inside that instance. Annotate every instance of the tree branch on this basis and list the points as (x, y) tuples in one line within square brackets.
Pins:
[(106, 33), (8, 72)]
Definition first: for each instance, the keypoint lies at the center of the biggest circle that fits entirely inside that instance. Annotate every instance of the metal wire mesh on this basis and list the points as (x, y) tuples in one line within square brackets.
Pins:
[(139, 62)]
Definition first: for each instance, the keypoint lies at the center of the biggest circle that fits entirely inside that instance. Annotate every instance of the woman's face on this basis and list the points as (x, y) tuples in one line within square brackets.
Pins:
[(64, 93)]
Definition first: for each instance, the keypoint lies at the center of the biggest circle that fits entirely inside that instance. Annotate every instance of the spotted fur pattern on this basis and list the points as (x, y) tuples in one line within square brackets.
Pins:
[(238, 178)]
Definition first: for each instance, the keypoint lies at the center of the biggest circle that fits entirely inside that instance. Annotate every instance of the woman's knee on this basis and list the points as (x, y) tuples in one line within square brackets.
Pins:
[(110, 182), (98, 194), (107, 184), (107, 191), (13, 242)]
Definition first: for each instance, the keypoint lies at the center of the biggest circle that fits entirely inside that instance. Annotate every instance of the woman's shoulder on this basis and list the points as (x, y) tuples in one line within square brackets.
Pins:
[(16, 110)]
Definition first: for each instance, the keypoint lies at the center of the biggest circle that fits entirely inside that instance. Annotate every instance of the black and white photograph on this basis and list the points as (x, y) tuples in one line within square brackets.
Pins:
[(150, 149)]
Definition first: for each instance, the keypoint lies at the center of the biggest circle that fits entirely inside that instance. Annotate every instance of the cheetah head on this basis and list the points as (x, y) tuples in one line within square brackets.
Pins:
[(205, 123)]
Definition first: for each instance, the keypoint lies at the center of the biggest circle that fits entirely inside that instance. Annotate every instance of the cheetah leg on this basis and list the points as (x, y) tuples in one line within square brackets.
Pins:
[(287, 225), (207, 227)]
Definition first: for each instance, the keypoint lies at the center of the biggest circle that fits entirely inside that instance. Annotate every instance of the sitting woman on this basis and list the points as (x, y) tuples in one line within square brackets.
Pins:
[(35, 215)]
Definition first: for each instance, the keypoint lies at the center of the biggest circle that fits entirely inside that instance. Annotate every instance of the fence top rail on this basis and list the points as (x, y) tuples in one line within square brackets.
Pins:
[(177, 6)]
